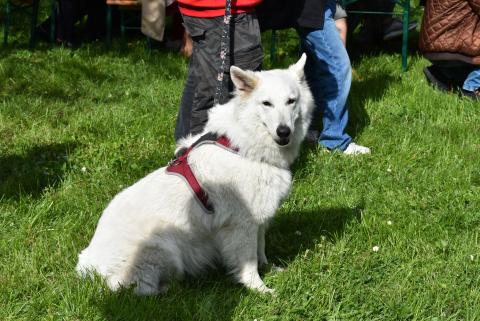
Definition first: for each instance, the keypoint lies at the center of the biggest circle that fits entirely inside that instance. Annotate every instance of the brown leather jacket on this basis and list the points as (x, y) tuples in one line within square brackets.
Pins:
[(451, 30)]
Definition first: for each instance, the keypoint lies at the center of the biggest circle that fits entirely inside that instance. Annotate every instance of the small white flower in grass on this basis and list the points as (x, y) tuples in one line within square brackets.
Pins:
[(83, 169), (375, 248), (471, 257), (276, 268), (389, 222), (389, 170), (298, 233)]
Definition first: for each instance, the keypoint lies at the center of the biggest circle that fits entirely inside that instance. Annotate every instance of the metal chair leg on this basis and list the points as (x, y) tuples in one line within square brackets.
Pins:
[(9, 8), (273, 45), (33, 23), (123, 37), (6, 22), (53, 22), (406, 13), (109, 26), (405, 4), (149, 44)]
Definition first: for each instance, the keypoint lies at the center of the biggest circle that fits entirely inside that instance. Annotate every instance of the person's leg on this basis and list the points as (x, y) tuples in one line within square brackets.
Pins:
[(328, 73), (449, 75), (177, 30), (377, 23), (182, 127), (247, 46), (66, 20), (206, 34), (96, 24), (371, 31), (70, 12), (342, 28), (472, 82), (438, 78), (340, 18)]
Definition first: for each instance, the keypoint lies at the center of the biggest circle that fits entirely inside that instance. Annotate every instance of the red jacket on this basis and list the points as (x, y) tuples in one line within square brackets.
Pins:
[(214, 8)]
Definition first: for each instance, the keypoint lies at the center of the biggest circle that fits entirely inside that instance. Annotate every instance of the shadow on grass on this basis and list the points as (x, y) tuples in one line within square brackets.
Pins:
[(71, 78), (294, 232), (53, 81), (217, 294), (198, 299), (35, 170), (371, 88)]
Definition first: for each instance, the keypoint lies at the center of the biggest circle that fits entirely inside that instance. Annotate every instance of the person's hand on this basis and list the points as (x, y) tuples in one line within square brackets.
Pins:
[(187, 46)]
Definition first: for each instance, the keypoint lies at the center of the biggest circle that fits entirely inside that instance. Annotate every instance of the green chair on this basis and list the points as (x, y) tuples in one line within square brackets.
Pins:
[(405, 5), (28, 7), (124, 6)]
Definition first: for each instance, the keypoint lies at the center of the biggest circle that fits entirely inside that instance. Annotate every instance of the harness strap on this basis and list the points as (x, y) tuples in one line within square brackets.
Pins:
[(180, 166)]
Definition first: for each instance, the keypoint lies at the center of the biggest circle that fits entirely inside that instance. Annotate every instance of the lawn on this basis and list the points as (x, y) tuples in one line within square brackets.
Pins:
[(389, 236)]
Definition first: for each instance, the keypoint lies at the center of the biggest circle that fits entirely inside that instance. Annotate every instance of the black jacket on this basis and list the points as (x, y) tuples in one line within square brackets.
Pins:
[(282, 14)]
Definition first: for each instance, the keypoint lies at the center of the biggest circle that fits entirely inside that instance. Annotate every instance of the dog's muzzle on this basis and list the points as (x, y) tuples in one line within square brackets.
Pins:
[(283, 133), (282, 141)]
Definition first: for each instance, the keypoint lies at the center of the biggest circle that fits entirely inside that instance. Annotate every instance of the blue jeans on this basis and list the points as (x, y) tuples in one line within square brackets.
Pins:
[(472, 82), (329, 75)]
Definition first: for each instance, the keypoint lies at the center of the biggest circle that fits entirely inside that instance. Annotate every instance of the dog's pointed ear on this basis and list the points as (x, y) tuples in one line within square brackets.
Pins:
[(244, 81), (298, 67)]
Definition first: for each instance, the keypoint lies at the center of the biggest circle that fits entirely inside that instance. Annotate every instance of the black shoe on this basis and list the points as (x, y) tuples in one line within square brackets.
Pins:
[(475, 95), (437, 79)]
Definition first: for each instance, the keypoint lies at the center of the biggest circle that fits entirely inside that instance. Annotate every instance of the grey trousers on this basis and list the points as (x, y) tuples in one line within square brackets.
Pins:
[(245, 52)]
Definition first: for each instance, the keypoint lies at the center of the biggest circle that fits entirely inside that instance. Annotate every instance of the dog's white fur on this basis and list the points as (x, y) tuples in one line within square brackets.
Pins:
[(155, 229)]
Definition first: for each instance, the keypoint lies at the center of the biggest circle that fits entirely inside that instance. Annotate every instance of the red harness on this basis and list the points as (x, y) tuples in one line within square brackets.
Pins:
[(180, 166)]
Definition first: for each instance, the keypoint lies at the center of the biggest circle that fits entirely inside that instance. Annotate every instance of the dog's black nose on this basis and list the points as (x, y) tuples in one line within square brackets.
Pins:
[(283, 131)]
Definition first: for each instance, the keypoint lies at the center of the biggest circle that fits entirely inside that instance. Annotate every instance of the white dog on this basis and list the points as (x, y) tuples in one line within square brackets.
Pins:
[(158, 228)]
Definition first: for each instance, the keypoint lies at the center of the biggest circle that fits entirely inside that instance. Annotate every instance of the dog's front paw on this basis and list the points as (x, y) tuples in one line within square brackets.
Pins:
[(266, 290)]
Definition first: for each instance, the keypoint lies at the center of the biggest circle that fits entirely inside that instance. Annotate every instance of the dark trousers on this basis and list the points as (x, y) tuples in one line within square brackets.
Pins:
[(373, 24), (245, 52), (72, 11), (459, 73)]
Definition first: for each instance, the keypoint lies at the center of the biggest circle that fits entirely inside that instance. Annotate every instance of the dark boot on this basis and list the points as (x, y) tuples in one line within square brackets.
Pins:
[(437, 79)]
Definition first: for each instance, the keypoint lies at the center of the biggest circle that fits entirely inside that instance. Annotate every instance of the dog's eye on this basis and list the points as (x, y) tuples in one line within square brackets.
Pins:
[(291, 101), (267, 103)]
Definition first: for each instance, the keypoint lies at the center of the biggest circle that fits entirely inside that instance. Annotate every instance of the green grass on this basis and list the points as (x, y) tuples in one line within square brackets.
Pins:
[(77, 126)]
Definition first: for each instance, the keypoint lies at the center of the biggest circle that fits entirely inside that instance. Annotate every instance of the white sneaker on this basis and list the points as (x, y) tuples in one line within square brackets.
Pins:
[(354, 149)]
